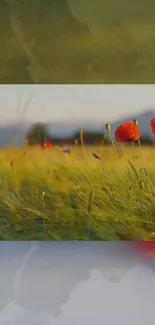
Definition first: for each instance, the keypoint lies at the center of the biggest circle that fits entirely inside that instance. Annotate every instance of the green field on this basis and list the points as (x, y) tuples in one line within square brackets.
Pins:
[(66, 42), (49, 195)]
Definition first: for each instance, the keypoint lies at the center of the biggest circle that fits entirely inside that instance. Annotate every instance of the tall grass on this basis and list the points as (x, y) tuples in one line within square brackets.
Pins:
[(51, 195)]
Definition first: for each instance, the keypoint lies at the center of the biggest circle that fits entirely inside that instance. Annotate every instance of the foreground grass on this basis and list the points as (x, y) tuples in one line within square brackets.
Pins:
[(56, 196)]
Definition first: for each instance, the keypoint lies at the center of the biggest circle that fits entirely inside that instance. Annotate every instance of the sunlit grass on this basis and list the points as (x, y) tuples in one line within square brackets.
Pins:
[(52, 195)]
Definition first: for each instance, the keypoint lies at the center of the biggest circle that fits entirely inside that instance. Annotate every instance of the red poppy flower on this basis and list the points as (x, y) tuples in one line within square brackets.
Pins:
[(153, 125), (145, 248), (127, 131), (48, 145)]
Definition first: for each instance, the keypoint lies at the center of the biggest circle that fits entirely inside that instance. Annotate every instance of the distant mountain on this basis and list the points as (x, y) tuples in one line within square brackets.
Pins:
[(12, 134), (15, 133)]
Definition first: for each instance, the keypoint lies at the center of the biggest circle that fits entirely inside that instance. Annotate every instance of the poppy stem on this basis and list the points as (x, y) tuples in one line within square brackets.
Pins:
[(142, 156), (115, 151), (149, 185), (126, 161), (85, 154), (133, 145), (83, 147)]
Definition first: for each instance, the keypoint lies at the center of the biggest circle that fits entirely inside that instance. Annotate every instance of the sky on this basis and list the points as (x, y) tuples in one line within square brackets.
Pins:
[(75, 102)]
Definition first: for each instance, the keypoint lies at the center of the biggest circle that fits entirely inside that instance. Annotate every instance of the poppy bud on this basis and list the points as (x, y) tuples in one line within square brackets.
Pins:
[(108, 127), (95, 155), (136, 122)]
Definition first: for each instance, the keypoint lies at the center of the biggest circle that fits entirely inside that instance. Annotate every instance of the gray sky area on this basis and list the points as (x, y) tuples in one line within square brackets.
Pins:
[(101, 283), (76, 102)]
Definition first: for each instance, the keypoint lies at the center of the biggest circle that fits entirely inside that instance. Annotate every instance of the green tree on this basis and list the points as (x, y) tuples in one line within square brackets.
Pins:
[(38, 134)]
